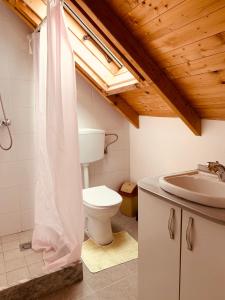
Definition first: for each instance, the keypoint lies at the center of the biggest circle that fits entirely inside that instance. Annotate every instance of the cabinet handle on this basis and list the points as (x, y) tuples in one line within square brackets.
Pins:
[(188, 234), (171, 223)]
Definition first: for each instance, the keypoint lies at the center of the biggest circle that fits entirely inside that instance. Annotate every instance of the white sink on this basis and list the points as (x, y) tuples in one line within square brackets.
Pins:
[(196, 186)]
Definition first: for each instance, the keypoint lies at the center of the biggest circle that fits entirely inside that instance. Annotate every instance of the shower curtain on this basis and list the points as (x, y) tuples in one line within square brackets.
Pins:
[(59, 218)]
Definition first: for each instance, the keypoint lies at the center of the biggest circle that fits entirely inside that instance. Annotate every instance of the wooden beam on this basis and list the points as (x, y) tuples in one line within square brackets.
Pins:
[(111, 26), (24, 12), (32, 18)]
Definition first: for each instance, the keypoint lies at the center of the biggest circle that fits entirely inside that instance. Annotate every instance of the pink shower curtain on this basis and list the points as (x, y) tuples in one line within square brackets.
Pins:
[(58, 205)]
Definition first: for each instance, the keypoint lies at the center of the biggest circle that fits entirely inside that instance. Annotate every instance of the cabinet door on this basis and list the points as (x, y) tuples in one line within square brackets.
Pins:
[(203, 267), (159, 248)]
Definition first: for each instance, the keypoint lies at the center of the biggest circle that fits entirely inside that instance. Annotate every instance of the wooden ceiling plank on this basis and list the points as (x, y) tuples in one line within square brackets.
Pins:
[(181, 15), (146, 101), (213, 63), (203, 80), (202, 48), (147, 11), (204, 27), (123, 39), (124, 7)]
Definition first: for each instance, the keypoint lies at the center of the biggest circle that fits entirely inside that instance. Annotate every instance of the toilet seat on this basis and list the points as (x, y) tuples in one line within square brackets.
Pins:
[(101, 197)]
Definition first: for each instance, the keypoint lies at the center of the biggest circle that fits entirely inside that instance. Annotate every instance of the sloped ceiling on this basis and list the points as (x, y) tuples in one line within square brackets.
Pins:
[(185, 43), (187, 40)]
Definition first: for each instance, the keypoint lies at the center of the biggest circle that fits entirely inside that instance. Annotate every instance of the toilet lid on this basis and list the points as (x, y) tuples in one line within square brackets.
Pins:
[(101, 196)]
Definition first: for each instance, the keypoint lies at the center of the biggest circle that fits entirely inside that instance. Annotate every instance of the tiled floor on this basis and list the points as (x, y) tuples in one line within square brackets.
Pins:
[(17, 266), (117, 283)]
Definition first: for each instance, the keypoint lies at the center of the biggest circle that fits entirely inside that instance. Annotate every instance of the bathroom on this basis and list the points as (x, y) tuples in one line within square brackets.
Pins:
[(155, 138)]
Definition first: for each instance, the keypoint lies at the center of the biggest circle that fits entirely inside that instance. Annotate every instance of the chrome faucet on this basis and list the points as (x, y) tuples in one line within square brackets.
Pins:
[(218, 169)]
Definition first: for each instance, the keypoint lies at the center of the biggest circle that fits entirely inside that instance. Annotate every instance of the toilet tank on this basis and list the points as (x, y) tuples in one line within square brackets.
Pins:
[(92, 142)]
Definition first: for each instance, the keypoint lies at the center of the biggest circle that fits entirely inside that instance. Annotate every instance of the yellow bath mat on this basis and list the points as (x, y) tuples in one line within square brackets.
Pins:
[(122, 249)]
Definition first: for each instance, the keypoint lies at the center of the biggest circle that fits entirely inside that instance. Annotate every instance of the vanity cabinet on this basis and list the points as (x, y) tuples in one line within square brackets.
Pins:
[(203, 268), (159, 249), (181, 255)]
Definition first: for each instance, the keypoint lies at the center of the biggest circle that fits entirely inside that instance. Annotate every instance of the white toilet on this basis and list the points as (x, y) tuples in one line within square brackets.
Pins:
[(100, 203)]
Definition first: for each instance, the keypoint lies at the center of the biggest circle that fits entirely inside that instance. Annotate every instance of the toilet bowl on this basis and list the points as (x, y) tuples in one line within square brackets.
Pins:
[(100, 205)]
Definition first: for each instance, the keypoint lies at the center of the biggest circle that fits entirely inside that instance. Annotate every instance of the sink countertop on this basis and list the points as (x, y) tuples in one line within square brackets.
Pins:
[(151, 185)]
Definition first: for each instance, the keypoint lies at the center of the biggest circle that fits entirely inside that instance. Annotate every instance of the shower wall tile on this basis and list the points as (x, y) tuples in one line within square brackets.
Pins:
[(17, 166), (26, 197), (22, 94), (4, 63), (10, 223), (23, 120), (112, 179), (27, 219), (23, 61), (9, 201), (114, 161), (23, 148), (17, 173)]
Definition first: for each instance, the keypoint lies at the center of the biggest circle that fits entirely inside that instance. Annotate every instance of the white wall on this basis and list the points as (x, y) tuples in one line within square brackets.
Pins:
[(16, 88), (165, 145), (95, 112)]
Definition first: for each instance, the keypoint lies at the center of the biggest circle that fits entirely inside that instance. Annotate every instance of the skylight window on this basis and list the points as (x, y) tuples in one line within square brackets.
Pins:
[(94, 58)]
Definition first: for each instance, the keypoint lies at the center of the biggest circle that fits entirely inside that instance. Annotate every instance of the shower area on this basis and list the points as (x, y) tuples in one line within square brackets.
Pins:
[(41, 221)]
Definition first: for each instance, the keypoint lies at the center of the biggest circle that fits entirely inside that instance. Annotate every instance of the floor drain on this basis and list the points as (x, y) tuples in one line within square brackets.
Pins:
[(25, 246)]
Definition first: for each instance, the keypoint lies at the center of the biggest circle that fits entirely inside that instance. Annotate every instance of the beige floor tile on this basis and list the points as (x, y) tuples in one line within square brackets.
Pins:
[(1, 247), (17, 276), (10, 246), (36, 269), (1, 257), (133, 266), (12, 254), (79, 290), (15, 264), (3, 282), (122, 290), (2, 267), (76, 292), (34, 257), (106, 277)]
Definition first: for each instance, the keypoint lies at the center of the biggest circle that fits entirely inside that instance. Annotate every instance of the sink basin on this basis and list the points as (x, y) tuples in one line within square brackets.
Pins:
[(196, 186)]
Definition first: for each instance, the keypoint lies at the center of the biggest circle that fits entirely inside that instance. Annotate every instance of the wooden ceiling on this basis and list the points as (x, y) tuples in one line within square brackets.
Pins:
[(187, 40), (174, 48)]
